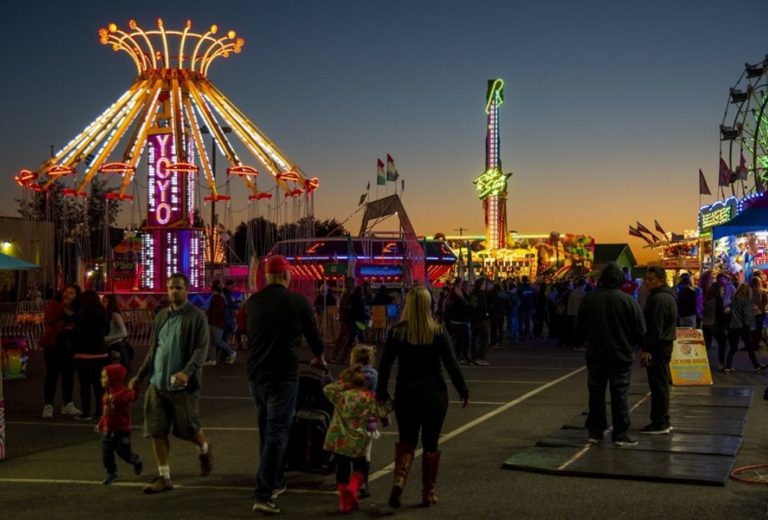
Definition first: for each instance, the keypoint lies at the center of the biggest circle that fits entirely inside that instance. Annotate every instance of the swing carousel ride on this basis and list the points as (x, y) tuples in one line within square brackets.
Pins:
[(163, 116)]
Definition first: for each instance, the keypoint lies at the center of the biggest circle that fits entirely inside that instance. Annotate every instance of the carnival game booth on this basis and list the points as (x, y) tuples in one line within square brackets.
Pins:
[(552, 256), (679, 255), (740, 244)]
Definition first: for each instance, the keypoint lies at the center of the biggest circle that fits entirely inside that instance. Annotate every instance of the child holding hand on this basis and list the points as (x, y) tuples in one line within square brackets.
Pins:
[(115, 422), (347, 435), (365, 355)]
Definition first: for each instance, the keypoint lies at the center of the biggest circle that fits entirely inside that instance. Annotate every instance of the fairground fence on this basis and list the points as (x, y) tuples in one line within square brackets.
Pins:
[(26, 319)]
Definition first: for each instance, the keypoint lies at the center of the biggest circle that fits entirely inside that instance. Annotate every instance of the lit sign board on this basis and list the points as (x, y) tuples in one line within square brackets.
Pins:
[(165, 189), (718, 213)]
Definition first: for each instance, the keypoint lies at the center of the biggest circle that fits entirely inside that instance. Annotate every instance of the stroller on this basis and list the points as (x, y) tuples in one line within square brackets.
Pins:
[(305, 451)]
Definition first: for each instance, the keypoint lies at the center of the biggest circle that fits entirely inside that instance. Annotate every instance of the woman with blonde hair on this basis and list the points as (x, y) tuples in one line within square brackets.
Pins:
[(741, 327), (422, 347)]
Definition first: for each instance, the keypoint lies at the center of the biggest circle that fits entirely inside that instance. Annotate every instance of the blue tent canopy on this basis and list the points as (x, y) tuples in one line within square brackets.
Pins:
[(751, 220), (10, 263)]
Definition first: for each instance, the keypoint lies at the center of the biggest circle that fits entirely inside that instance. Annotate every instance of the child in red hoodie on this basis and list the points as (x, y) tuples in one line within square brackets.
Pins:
[(115, 423)]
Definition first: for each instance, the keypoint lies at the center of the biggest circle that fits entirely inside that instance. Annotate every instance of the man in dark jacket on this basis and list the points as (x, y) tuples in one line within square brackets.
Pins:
[(660, 318), (277, 320), (610, 323), (481, 323)]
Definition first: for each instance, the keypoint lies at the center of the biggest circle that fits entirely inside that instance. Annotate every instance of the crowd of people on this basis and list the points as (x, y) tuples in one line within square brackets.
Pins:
[(608, 318)]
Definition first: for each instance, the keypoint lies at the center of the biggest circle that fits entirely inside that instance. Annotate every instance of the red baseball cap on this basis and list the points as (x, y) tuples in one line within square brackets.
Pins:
[(276, 264)]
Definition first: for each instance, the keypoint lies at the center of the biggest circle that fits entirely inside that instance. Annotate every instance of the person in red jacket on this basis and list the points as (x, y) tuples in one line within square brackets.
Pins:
[(115, 422)]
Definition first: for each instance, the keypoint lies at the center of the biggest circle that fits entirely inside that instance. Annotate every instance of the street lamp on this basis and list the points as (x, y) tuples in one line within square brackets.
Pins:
[(204, 130)]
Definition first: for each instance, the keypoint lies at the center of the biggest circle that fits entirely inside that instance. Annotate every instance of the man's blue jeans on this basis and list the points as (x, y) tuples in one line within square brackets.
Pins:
[(275, 406), (617, 378)]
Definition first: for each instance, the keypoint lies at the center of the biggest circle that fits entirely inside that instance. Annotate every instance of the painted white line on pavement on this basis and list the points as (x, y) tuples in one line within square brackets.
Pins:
[(503, 381), (493, 413), (206, 428), (142, 484), (490, 403), (587, 446)]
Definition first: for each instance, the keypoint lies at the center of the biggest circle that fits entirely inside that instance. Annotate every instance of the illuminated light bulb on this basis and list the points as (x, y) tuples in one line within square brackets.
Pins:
[(188, 24), (159, 23), (112, 27), (231, 34), (214, 28), (132, 23)]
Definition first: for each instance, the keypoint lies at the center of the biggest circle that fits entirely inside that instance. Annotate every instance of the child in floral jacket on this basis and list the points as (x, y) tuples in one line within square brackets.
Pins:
[(348, 433)]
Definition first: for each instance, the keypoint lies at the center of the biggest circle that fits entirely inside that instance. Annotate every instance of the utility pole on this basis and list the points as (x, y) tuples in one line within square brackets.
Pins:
[(461, 230)]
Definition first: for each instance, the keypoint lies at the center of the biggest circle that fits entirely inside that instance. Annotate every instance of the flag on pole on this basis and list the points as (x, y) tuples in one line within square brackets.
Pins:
[(724, 179), (362, 199), (402, 185), (642, 229), (703, 188), (369, 186), (636, 233), (741, 173), (381, 180), (659, 228), (391, 170)]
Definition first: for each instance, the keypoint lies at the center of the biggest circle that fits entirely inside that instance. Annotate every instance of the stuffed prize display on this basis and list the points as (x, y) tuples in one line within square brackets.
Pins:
[(13, 356)]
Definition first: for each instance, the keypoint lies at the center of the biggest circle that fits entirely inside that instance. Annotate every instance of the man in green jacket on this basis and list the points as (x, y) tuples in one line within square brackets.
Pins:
[(174, 366)]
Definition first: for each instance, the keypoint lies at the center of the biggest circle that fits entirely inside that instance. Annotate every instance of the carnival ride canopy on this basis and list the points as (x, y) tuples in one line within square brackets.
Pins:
[(170, 95)]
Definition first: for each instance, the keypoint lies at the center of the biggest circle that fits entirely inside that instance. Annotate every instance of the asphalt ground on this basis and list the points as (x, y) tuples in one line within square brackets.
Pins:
[(54, 470)]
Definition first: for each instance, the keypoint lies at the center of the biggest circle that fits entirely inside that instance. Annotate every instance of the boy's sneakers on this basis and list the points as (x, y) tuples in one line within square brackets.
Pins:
[(210, 363), (760, 368), (138, 466), (266, 506), (111, 477), (278, 491), (206, 461), (70, 409), (656, 429), (83, 417), (481, 363), (158, 485), (624, 441), (729, 371), (47, 411), (231, 359)]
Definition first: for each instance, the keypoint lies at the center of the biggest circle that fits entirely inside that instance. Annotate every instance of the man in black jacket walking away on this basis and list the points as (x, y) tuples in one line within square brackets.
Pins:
[(277, 320), (610, 323), (660, 318)]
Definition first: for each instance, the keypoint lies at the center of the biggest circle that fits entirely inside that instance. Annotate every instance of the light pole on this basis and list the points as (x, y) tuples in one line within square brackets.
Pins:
[(204, 130)]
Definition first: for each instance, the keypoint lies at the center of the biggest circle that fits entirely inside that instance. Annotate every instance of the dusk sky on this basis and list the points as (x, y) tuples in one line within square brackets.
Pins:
[(610, 107)]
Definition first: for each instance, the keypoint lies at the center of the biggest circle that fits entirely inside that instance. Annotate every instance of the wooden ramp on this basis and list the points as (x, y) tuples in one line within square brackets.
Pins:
[(707, 421)]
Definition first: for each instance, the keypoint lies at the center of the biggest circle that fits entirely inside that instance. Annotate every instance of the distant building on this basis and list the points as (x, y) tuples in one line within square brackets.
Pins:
[(619, 253)]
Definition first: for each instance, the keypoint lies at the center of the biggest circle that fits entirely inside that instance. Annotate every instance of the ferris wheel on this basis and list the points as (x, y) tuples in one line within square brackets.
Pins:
[(744, 130)]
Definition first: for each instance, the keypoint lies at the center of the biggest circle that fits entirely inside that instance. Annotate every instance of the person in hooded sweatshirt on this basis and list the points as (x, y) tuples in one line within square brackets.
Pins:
[(115, 422), (609, 323), (656, 350)]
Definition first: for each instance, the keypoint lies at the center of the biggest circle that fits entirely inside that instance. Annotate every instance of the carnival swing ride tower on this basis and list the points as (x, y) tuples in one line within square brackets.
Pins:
[(492, 184), (165, 112)]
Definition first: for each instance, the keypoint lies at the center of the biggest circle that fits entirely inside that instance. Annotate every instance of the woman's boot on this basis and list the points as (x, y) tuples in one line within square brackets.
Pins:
[(403, 461), (429, 467)]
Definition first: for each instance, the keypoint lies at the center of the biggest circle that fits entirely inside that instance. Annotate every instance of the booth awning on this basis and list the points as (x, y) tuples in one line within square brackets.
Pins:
[(10, 263), (751, 220)]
